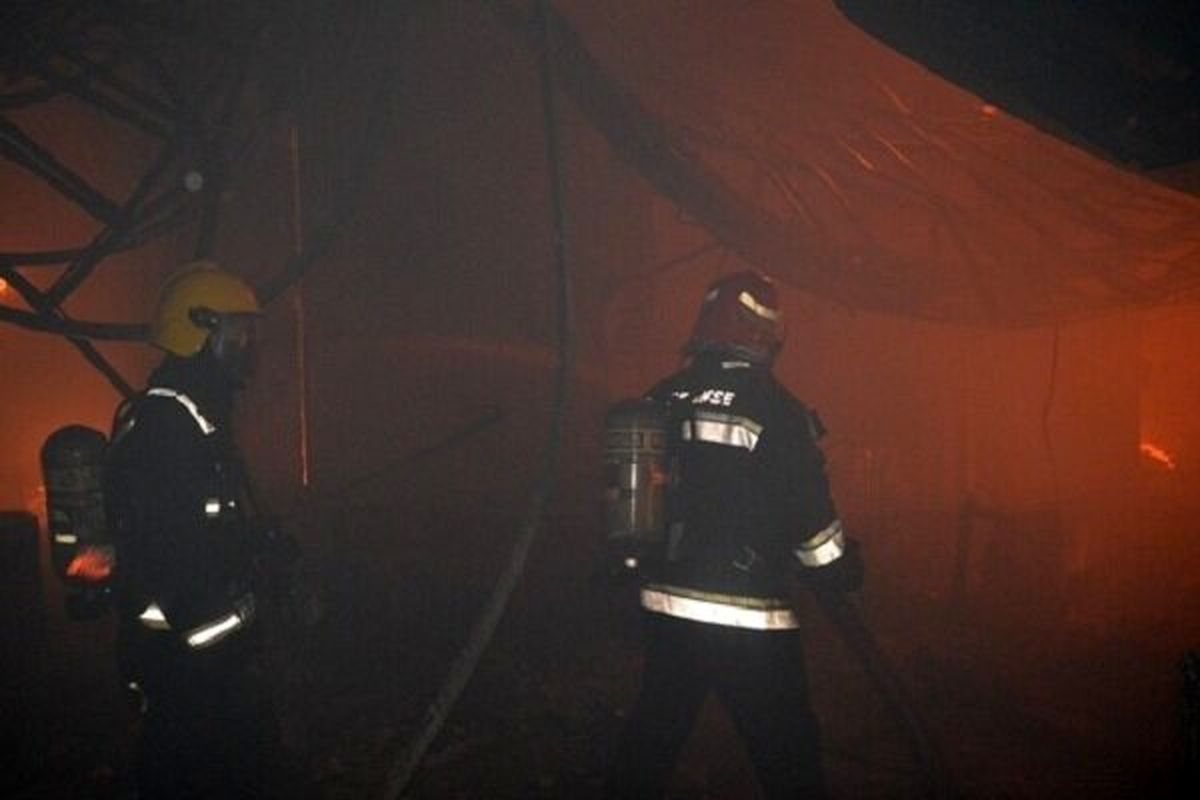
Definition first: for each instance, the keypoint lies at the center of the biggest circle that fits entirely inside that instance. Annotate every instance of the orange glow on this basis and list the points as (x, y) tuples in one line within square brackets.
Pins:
[(3, 287), (92, 564), (1156, 453)]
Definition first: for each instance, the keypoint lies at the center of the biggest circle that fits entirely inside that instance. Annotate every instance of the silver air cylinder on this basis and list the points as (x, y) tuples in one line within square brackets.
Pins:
[(636, 469), (72, 467)]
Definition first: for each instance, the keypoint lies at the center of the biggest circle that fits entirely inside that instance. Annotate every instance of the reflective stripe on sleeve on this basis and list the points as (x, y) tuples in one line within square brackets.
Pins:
[(66, 538), (824, 547), (154, 619), (726, 429), (188, 403), (717, 613), (212, 632), (212, 507)]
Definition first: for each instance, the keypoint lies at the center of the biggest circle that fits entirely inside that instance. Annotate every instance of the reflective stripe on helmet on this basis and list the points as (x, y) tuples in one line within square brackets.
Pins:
[(823, 548), (729, 613), (726, 429), (188, 403), (748, 300)]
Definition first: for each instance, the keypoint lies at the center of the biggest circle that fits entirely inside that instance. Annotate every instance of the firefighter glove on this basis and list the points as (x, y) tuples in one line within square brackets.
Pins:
[(843, 575)]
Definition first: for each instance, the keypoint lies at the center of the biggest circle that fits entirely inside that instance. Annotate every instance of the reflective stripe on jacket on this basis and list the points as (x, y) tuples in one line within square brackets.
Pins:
[(750, 501), (718, 609)]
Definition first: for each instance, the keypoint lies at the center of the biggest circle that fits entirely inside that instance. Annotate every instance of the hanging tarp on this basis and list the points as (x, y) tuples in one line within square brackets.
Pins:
[(844, 168)]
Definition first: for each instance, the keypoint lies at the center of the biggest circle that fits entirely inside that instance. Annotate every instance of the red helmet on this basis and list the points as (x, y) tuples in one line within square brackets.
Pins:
[(740, 315)]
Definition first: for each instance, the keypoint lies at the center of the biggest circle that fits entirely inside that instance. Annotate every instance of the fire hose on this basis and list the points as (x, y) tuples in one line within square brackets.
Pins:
[(402, 768), (846, 618)]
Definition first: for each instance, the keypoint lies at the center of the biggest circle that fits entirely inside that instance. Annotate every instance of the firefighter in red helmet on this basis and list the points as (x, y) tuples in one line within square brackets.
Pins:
[(749, 508)]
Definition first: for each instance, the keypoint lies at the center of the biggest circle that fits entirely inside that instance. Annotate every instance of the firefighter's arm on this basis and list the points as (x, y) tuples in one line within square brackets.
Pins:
[(843, 575), (825, 556)]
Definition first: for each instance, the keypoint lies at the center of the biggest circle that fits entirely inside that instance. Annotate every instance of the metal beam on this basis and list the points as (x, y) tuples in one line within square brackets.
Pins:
[(31, 156), (112, 237), (49, 311)]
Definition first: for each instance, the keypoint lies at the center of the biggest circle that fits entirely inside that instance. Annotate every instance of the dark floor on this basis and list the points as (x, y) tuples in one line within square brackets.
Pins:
[(1021, 711)]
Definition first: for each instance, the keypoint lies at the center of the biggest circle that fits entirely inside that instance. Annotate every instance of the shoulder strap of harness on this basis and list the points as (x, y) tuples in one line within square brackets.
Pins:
[(124, 419)]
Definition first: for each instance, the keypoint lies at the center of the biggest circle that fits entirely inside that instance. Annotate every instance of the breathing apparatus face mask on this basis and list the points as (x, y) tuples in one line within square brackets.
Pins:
[(232, 342)]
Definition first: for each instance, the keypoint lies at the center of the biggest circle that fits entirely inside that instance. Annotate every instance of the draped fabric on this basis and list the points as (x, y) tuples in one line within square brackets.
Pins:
[(851, 172)]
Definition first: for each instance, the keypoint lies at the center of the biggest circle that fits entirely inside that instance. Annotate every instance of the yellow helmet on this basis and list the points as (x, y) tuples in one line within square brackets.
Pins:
[(198, 285)]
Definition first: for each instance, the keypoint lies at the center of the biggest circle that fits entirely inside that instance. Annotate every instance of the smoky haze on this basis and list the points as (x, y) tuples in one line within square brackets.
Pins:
[(1025, 497)]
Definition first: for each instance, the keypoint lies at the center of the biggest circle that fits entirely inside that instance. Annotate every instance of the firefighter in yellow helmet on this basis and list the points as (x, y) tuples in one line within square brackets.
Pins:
[(188, 540), (207, 312)]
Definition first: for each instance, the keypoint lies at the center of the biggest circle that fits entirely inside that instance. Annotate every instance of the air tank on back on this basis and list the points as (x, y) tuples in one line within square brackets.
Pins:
[(636, 474), (80, 548)]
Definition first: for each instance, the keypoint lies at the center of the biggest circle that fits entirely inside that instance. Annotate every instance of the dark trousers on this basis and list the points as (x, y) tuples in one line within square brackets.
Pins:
[(758, 676), (209, 731)]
